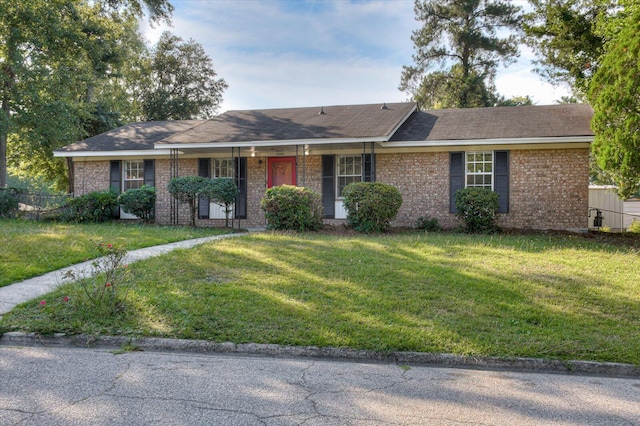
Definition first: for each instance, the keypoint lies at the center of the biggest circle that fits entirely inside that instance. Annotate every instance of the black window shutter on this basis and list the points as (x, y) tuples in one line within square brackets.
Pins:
[(241, 182), (115, 176), (456, 177), (369, 169), (328, 186), (149, 173), (204, 170), (501, 180)]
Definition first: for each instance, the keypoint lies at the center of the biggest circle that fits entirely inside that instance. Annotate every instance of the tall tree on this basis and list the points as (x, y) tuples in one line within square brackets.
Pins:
[(460, 37), (565, 36), (182, 83), (46, 50), (615, 96)]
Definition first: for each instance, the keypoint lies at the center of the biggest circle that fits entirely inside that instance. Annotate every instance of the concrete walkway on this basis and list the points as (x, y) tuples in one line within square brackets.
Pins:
[(15, 294)]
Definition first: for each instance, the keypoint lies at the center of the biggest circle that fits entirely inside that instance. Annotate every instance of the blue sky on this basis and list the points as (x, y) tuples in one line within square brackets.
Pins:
[(294, 53)]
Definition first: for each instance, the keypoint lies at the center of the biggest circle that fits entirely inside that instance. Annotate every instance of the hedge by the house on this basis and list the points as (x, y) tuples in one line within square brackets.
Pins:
[(295, 208), (371, 206)]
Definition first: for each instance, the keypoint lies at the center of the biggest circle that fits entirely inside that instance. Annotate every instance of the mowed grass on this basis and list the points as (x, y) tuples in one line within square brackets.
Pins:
[(28, 248), (532, 296)]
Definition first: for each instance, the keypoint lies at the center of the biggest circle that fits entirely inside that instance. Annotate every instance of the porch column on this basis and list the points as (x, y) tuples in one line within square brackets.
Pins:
[(173, 173)]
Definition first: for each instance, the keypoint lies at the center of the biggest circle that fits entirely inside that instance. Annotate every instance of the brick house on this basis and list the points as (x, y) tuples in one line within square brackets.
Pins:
[(535, 157)]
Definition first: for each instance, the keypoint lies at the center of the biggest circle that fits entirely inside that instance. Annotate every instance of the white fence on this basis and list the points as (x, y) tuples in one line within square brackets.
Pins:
[(617, 214)]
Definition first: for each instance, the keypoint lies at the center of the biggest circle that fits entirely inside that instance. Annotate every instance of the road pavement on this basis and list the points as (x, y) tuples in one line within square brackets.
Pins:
[(69, 386)]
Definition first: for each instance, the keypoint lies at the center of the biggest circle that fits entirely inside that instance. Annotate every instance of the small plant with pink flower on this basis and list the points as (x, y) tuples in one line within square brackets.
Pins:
[(105, 286)]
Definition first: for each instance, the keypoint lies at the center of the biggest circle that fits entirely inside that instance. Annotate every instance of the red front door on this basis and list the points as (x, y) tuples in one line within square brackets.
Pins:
[(281, 171)]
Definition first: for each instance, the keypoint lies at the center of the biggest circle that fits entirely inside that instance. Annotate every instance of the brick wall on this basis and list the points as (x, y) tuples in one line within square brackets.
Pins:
[(423, 181), (548, 188), (90, 176)]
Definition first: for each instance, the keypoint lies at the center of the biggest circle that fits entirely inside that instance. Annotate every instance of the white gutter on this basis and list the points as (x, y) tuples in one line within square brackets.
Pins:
[(505, 141), (124, 153)]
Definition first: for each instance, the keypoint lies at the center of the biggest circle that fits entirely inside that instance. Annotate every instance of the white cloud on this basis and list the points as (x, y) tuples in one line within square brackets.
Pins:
[(310, 53)]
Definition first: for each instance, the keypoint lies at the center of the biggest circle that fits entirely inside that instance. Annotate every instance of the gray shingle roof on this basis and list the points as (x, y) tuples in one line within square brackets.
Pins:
[(349, 122), (132, 137), (497, 123), (335, 122)]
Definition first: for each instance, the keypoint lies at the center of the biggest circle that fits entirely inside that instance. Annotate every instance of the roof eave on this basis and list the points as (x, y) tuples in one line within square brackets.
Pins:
[(120, 153)]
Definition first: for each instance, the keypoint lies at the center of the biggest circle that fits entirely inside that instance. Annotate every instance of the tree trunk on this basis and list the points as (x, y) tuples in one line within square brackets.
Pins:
[(8, 76)]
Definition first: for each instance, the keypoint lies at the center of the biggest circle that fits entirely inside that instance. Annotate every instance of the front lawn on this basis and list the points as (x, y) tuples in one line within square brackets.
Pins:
[(28, 248), (562, 297)]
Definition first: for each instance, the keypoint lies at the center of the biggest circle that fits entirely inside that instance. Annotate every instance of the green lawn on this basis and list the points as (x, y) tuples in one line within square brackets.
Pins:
[(562, 297), (28, 248)]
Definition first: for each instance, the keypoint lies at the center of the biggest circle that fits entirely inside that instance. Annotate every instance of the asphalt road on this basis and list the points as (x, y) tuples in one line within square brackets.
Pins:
[(69, 386)]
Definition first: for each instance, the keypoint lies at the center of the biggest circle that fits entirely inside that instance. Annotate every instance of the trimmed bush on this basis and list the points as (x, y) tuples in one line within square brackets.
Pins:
[(139, 202), (97, 206), (8, 203), (427, 223), (187, 189), (477, 207), (296, 208), (635, 226), (371, 206), (222, 191)]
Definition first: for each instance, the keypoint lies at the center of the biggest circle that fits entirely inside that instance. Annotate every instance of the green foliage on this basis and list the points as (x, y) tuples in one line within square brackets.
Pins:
[(222, 191), (446, 89), (565, 36), (64, 63), (635, 226), (615, 97), (182, 83), (187, 189), (371, 206), (514, 101), (461, 38), (477, 207), (139, 202), (103, 289), (8, 203), (288, 207), (427, 223), (94, 207)]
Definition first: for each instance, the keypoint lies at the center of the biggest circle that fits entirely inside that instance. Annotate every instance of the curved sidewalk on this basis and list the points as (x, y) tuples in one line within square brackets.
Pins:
[(17, 293)]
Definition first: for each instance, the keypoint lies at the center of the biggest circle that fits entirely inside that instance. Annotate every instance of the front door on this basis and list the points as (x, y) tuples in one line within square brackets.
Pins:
[(281, 171)]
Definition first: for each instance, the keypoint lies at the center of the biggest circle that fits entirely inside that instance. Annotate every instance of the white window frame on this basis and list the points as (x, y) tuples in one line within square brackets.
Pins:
[(354, 172), (478, 165), (132, 178), (222, 168)]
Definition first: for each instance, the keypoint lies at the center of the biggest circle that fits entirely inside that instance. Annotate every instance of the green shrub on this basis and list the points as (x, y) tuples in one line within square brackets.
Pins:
[(477, 207), (187, 189), (371, 206), (94, 207), (139, 202), (635, 226), (427, 223), (8, 203), (222, 191), (295, 208)]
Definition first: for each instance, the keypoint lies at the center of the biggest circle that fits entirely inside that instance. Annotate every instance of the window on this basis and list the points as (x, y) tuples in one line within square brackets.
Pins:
[(349, 170), (479, 169), (222, 168), (133, 175)]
